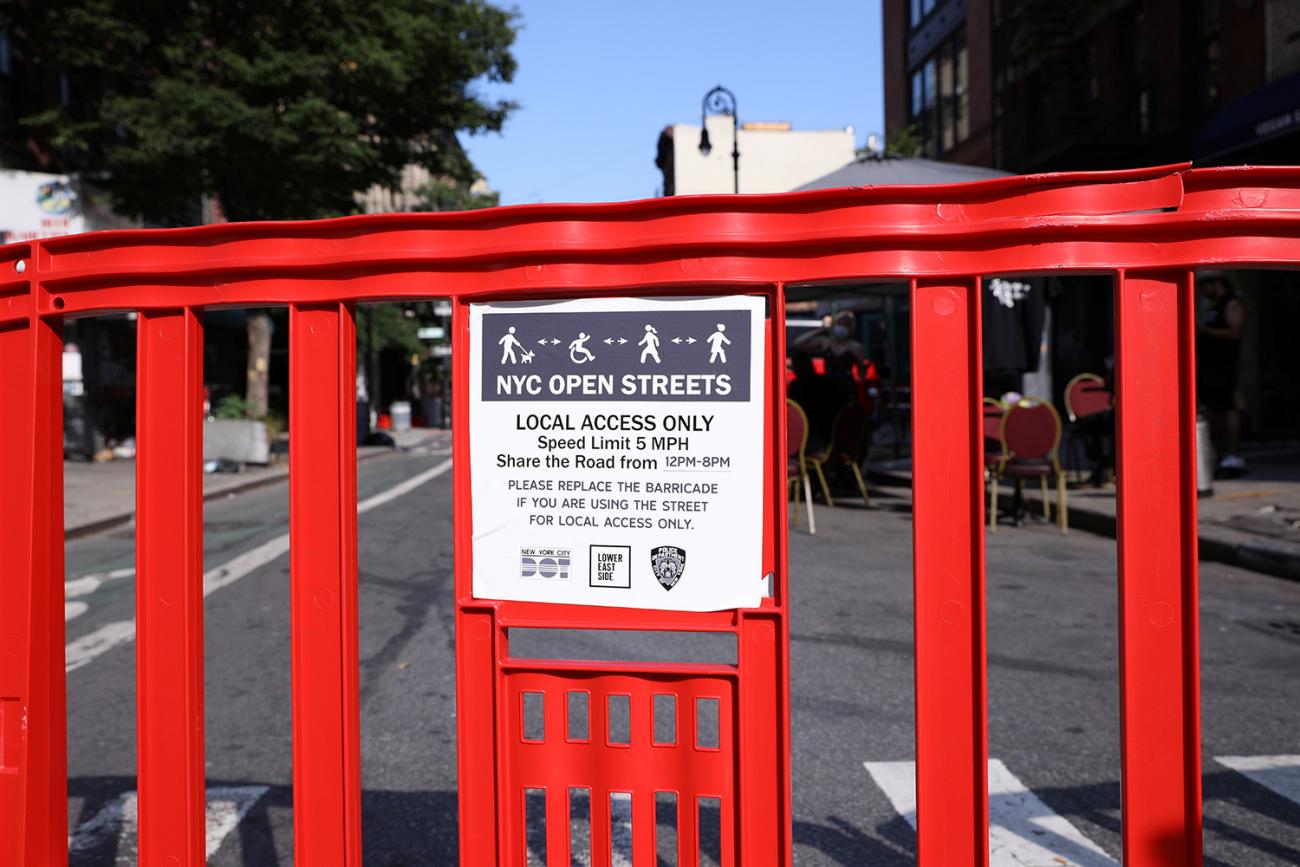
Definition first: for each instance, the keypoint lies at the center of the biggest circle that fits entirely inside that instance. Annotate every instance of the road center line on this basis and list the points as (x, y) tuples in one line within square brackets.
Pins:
[(89, 647)]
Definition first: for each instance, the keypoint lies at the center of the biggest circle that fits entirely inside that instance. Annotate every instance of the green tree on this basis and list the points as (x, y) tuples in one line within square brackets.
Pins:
[(282, 109), (279, 109), (905, 142)]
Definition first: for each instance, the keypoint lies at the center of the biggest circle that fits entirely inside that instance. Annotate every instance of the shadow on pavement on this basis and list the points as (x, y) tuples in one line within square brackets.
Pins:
[(398, 829)]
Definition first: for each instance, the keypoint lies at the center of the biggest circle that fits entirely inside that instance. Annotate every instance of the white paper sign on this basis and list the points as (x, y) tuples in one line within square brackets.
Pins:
[(616, 451)]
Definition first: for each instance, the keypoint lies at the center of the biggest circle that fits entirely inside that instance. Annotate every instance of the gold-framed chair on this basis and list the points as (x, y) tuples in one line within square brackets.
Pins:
[(796, 438), (1031, 437), (993, 411), (847, 431)]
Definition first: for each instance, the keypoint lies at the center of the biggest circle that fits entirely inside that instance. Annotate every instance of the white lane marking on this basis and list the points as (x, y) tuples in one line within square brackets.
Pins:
[(126, 572), (73, 609), (404, 488), (1023, 831), (86, 649), (111, 822), (83, 586), (1279, 774), (234, 569), (119, 820), (227, 807)]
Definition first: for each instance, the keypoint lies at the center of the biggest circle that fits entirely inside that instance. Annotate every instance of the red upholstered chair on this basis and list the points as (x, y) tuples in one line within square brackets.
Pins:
[(1086, 395), (1031, 435), (796, 473), (994, 409), (845, 447)]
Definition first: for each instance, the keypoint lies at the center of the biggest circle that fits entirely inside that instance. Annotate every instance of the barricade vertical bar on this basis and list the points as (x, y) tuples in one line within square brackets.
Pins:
[(765, 821), (948, 540), (323, 562), (476, 638), (1159, 681), (169, 587), (33, 714)]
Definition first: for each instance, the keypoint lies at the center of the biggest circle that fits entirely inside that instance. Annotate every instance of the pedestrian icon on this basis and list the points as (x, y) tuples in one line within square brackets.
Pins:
[(716, 341), (508, 344), (651, 344), (578, 352)]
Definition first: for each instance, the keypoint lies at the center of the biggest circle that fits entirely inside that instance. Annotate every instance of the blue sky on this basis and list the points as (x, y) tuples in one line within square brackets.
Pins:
[(599, 79)]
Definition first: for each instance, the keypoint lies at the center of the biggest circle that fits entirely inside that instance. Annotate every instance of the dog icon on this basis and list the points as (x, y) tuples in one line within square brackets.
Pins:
[(527, 357)]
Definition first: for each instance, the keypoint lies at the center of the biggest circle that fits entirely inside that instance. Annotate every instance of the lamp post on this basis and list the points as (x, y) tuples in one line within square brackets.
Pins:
[(721, 101)]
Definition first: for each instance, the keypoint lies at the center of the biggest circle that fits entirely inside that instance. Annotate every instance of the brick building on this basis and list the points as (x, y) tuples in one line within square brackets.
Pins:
[(1048, 85)]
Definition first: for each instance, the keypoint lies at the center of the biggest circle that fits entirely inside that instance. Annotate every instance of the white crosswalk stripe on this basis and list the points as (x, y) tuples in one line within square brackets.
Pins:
[(1278, 774), (118, 821), (1023, 831)]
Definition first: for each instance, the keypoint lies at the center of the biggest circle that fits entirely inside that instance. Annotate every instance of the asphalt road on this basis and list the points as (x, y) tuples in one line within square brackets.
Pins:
[(1053, 695)]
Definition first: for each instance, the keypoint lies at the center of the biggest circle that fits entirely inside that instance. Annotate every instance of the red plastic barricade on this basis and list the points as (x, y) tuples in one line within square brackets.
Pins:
[(1148, 228)]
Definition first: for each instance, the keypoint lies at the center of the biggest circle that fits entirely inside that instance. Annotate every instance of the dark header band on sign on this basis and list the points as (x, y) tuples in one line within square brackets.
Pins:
[(680, 355)]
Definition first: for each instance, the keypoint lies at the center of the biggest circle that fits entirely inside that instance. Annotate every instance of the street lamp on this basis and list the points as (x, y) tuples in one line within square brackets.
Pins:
[(721, 101)]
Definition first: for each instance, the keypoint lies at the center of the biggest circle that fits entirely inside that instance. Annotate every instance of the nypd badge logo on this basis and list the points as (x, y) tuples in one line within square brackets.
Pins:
[(668, 563)]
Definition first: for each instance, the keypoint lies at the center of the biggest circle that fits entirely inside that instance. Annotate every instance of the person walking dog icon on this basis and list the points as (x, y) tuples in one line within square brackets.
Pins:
[(578, 352), (716, 341), (651, 344), (508, 344)]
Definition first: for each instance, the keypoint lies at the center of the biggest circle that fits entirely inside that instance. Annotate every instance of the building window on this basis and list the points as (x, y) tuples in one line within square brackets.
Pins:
[(962, 93), (918, 11), (940, 107)]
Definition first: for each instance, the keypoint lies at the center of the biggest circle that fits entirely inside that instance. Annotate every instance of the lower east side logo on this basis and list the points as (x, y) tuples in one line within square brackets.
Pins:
[(668, 562), (544, 563)]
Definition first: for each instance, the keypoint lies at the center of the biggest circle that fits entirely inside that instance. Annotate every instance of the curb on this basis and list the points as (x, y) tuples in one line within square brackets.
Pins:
[(1256, 555), (236, 486)]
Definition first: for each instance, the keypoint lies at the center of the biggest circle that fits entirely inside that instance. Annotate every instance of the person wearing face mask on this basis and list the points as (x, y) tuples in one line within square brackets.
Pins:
[(844, 360), (835, 343)]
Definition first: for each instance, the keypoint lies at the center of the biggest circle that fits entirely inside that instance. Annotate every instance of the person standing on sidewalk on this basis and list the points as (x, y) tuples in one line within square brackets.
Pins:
[(1218, 349)]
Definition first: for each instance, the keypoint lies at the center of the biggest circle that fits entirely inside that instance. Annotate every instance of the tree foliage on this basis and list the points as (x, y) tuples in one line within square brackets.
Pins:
[(280, 108)]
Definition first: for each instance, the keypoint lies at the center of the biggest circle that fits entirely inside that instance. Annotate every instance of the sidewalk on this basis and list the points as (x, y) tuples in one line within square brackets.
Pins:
[(1252, 522), (99, 496)]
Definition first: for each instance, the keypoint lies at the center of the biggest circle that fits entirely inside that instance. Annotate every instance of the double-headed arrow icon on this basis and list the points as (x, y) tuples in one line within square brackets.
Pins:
[(609, 341), (544, 341), (686, 340)]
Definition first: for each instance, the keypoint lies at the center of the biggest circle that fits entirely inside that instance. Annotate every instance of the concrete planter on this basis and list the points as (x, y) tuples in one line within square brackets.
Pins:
[(240, 440)]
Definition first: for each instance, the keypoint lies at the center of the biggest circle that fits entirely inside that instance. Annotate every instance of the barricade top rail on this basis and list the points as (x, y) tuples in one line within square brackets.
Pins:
[(1085, 221)]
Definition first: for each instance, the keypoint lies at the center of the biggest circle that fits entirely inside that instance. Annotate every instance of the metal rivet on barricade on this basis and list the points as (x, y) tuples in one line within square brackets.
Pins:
[(20, 266), (1160, 614), (945, 303)]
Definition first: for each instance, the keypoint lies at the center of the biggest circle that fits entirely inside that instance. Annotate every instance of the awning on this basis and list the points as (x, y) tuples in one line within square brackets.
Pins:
[(882, 171), (1265, 113)]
